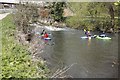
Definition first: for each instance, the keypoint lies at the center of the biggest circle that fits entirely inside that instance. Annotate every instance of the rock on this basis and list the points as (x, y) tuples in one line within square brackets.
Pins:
[(112, 65), (28, 37), (114, 62)]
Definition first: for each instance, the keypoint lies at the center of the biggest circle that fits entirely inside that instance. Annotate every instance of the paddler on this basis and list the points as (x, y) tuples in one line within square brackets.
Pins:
[(45, 35), (88, 34), (102, 35)]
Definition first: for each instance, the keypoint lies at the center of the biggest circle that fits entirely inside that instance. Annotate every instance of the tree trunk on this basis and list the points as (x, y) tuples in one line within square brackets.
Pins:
[(111, 13)]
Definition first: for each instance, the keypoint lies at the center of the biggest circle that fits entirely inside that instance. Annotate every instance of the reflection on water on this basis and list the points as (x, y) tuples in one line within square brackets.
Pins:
[(89, 42), (93, 57)]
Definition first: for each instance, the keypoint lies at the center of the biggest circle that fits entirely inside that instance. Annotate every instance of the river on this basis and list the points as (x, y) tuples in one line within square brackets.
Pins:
[(91, 58)]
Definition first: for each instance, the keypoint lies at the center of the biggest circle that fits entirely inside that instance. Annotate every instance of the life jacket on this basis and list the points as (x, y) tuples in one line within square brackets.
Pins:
[(88, 33), (46, 35)]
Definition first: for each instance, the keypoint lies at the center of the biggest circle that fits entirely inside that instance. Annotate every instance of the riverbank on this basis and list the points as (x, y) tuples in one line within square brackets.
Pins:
[(62, 25), (17, 61)]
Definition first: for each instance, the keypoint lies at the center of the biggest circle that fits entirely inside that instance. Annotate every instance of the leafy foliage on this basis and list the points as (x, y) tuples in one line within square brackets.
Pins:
[(93, 15), (57, 11), (25, 15), (16, 60)]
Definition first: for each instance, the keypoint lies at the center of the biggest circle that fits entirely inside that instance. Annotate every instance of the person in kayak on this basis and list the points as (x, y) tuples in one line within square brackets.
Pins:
[(102, 35), (45, 35), (88, 33)]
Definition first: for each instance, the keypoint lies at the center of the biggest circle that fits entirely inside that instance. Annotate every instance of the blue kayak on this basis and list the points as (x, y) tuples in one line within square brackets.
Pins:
[(85, 37), (47, 38)]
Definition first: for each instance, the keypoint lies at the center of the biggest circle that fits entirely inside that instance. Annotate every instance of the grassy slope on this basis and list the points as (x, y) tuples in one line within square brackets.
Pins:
[(16, 61)]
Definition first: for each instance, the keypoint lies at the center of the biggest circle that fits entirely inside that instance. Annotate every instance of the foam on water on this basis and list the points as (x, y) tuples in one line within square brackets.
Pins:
[(51, 28)]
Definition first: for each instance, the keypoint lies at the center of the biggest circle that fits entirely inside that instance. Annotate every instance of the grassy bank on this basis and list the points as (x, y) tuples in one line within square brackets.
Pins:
[(16, 60)]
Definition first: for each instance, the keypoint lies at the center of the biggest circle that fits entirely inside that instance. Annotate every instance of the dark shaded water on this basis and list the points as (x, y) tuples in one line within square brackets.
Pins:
[(92, 58)]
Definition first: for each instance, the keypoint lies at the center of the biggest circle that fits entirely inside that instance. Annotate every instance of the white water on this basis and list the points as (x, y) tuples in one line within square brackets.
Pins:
[(50, 28)]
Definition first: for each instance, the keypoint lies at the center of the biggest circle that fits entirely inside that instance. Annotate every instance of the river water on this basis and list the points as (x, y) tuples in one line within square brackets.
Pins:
[(91, 58)]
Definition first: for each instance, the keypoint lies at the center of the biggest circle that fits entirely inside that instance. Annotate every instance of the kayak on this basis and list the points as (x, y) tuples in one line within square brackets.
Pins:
[(47, 38), (85, 37), (98, 37)]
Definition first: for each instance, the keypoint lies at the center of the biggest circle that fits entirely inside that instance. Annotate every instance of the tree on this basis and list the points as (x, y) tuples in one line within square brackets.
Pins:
[(57, 11), (26, 14), (117, 5), (93, 15)]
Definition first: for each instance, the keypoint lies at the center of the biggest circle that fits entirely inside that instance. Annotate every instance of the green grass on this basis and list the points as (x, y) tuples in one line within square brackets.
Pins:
[(16, 60)]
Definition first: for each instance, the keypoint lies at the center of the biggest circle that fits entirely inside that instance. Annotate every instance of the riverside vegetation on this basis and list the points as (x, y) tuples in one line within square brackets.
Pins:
[(103, 16), (16, 60), (94, 16)]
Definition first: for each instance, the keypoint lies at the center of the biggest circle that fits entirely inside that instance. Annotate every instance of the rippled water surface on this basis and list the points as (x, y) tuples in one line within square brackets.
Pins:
[(91, 58)]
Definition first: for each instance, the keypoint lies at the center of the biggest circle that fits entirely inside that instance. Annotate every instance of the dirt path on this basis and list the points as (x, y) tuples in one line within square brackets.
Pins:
[(3, 15)]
